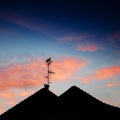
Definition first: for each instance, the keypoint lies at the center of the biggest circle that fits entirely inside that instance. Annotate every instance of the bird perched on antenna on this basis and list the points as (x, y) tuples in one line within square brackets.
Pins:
[(49, 72), (48, 60)]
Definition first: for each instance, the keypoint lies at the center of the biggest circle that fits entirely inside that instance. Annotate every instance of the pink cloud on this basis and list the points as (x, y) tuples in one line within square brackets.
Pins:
[(7, 95), (112, 84), (19, 76), (67, 66), (26, 93), (12, 102), (11, 95), (1, 110), (32, 74), (10, 98), (103, 74), (89, 47)]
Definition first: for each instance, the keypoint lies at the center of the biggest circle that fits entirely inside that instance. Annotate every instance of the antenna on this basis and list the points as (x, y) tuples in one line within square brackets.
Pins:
[(49, 72)]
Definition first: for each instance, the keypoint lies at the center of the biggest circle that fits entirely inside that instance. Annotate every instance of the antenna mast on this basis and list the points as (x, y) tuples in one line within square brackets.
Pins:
[(49, 72)]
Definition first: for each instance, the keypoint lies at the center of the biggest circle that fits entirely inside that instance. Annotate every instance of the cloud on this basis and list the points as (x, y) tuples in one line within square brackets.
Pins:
[(32, 74), (10, 98), (67, 66), (114, 37), (19, 76), (26, 93), (7, 95), (112, 84), (74, 37), (12, 95), (1, 110), (103, 74), (24, 22), (88, 47)]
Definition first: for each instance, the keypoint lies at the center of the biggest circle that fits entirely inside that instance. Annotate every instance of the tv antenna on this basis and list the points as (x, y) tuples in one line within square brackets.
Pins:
[(49, 72)]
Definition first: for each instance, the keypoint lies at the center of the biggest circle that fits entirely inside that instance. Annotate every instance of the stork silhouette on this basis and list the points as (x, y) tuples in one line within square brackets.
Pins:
[(48, 60)]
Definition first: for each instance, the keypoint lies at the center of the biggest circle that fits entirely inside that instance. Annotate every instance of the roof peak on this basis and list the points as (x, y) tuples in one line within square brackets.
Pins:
[(46, 86), (74, 86)]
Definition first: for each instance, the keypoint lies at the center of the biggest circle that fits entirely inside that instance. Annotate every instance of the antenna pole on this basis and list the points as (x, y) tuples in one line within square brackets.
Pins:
[(48, 79), (48, 62)]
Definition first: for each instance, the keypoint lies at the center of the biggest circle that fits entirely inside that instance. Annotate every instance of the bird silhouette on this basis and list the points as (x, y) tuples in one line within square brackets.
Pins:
[(48, 60)]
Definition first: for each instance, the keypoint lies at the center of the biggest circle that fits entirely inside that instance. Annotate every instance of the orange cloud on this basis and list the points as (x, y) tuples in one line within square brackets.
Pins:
[(89, 47), (103, 74), (7, 95), (7, 99), (11, 95), (32, 74), (1, 110), (112, 84), (12, 102), (10, 98), (21, 76), (66, 67), (26, 93)]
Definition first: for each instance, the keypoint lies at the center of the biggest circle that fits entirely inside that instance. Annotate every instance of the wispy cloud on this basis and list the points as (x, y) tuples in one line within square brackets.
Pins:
[(114, 37), (103, 74), (19, 76), (2, 110), (11, 95), (65, 67), (32, 74), (9, 98), (112, 84), (88, 47), (24, 21), (74, 37)]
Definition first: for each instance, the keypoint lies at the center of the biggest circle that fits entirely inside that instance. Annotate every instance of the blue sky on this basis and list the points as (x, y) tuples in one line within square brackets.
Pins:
[(82, 38)]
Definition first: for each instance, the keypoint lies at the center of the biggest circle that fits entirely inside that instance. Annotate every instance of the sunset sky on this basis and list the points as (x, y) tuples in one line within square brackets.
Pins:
[(82, 38)]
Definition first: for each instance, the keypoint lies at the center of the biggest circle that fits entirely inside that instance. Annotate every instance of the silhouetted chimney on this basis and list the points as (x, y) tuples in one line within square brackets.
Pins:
[(46, 86)]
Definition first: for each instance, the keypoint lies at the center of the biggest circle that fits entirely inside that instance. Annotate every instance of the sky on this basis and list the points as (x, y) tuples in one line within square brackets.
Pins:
[(81, 36)]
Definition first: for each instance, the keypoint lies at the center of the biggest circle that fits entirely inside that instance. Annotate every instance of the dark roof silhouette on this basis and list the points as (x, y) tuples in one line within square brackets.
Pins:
[(78, 102), (73, 104), (36, 106)]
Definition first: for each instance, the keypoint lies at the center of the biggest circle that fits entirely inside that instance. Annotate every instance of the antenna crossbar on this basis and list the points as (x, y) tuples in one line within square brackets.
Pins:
[(49, 72)]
